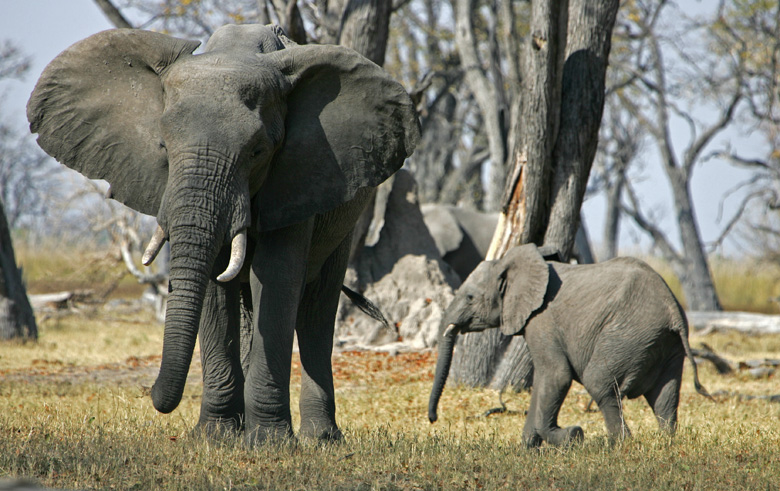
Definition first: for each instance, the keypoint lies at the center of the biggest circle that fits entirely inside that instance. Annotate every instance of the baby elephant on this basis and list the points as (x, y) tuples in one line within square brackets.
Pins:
[(615, 327)]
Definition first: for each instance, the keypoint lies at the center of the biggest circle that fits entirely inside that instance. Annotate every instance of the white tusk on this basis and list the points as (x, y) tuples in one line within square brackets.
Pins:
[(449, 330), (237, 254), (155, 244)]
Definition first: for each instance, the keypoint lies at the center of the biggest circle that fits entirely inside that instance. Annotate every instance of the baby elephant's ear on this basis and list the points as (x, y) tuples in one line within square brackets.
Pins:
[(526, 276), (97, 107), (349, 125)]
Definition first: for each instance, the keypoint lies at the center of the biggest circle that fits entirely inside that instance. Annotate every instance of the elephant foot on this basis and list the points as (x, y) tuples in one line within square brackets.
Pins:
[(532, 441), (264, 435), (325, 433), (576, 435), (566, 436), (619, 436), (217, 430)]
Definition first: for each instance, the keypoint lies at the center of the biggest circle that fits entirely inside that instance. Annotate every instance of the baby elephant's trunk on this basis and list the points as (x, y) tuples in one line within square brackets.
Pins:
[(446, 347)]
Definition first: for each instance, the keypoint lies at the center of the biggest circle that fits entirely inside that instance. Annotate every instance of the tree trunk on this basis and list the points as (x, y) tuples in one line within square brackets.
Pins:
[(488, 98), (365, 28), (612, 220), (691, 268), (562, 109), (582, 99), (16, 314)]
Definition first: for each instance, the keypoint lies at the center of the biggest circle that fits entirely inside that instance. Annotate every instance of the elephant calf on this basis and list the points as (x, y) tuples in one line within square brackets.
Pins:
[(615, 327)]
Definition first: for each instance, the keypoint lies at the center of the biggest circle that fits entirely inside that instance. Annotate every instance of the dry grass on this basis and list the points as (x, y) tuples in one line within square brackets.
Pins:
[(746, 285), (74, 414), (49, 269)]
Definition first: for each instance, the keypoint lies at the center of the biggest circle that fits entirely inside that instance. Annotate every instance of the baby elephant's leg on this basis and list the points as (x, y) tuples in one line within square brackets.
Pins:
[(604, 389), (665, 396), (551, 384)]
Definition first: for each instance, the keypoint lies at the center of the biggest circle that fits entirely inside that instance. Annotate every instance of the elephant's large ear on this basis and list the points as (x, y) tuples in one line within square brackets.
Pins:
[(349, 125), (525, 276), (97, 106)]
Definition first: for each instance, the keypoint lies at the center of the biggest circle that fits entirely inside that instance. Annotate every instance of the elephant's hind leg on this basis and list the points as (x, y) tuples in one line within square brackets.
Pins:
[(664, 398), (315, 328), (604, 389), (222, 404)]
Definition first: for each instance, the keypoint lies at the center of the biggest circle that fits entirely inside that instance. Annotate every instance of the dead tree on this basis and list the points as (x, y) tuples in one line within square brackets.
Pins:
[(563, 97)]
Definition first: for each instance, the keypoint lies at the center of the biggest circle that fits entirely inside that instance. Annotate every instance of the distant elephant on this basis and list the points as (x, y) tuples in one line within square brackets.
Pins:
[(462, 236), (257, 157), (615, 327)]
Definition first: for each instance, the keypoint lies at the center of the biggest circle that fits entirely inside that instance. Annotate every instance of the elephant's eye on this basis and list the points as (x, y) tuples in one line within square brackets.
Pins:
[(260, 148)]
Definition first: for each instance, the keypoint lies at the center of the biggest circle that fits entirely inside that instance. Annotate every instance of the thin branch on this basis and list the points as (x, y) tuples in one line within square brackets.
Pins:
[(734, 219), (659, 239), (113, 14)]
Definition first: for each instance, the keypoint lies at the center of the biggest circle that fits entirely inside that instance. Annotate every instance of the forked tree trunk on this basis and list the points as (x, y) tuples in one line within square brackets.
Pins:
[(563, 99), (16, 315)]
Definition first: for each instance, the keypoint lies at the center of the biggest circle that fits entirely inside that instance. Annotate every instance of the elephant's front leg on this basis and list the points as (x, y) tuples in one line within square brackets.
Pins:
[(277, 282), (316, 319), (222, 405), (552, 380)]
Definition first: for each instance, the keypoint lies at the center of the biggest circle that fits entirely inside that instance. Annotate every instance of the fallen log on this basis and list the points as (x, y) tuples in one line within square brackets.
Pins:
[(722, 365), (59, 300), (746, 322)]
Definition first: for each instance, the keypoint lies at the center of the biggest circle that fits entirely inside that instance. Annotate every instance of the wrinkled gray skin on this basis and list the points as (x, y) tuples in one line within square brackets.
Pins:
[(462, 236), (255, 135), (615, 327)]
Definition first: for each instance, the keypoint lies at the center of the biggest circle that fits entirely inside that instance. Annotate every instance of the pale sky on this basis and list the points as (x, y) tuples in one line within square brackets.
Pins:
[(44, 28)]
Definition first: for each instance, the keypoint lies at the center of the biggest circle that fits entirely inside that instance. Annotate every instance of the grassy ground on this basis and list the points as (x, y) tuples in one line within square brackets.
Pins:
[(74, 413)]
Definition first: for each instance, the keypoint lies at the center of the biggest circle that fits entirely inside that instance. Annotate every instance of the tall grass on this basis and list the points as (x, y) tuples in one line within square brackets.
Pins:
[(746, 284), (50, 268), (74, 413)]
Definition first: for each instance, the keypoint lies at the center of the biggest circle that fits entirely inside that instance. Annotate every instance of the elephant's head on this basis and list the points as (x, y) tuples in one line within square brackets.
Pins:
[(503, 293), (254, 132)]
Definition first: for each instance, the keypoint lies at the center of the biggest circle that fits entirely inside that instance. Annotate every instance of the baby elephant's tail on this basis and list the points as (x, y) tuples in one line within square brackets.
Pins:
[(683, 332)]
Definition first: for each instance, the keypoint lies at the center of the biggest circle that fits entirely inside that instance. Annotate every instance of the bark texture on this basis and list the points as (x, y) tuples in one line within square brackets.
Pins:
[(365, 28), (16, 315)]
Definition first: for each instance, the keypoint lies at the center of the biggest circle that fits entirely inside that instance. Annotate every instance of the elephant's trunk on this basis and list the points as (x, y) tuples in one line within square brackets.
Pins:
[(190, 268), (198, 216), (446, 347)]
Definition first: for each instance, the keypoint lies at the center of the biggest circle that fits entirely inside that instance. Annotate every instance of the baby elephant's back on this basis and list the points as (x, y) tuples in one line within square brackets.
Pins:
[(619, 321)]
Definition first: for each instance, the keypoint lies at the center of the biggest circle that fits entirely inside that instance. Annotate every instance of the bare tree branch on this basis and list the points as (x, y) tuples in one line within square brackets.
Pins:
[(659, 238), (113, 14)]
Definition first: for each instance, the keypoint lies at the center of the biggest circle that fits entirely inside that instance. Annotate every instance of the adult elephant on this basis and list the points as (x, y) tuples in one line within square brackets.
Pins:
[(462, 236), (257, 157)]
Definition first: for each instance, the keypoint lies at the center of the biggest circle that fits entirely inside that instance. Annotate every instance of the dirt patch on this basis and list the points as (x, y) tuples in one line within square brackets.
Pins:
[(133, 371), (349, 367)]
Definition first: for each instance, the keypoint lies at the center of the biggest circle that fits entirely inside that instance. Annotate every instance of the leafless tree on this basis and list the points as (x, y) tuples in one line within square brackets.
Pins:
[(756, 26)]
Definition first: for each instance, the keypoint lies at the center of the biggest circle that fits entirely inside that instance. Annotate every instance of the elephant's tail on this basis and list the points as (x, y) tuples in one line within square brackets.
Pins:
[(683, 332), (366, 305)]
